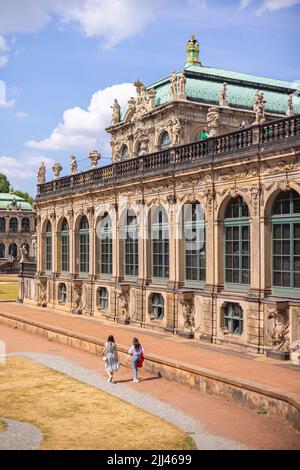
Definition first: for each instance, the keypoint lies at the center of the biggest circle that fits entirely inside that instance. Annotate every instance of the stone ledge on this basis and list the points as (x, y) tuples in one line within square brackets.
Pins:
[(250, 394)]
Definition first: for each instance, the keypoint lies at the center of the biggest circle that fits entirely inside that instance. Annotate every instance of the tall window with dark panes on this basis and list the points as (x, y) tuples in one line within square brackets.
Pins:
[(65, 247), (106, 245), (194, 242), (84, 246), (130, 234), (286, 241), (237, 242), (160, 243), (48, 247)]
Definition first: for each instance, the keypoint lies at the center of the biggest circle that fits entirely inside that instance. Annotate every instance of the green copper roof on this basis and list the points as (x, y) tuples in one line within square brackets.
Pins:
[(203, 85), (6, 200)]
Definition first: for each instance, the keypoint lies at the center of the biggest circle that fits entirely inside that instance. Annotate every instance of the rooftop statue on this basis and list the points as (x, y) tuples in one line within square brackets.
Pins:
[(181, 82), (74, 167), (116, 117), (259, 107), (94, 156), (41, 175), (192, 50), (174, 86), (56, 170), (290, 109), (223, 95)]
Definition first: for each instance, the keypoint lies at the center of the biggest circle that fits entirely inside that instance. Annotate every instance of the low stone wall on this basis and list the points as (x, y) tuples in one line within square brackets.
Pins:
[(250, 394)]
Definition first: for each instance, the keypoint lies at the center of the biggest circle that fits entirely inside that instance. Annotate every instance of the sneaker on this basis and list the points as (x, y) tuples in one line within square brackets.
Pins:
[(136, 380)]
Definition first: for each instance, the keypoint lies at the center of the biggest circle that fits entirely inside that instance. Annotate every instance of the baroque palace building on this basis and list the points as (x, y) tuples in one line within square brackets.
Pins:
[(17, 231), (194, 228)]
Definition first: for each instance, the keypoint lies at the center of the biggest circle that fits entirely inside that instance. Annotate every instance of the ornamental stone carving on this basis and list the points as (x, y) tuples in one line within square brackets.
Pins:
[(278, 336), (259, 107), (212, 119), (223, 95), (174, 86), (74, 167), (94, 156), (116, 114), (56, 170), (41, 174), (23, 254)]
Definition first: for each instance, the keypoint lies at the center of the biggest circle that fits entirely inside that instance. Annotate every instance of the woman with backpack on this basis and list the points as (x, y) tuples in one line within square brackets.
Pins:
[(110, 356), (137, 353)]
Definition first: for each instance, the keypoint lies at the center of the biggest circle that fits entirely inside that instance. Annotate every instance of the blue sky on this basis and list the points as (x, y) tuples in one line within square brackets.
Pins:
[(63, 62)]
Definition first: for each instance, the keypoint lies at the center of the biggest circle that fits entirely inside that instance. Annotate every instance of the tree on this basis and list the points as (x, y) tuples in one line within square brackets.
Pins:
[(4, 184), (24, 195)]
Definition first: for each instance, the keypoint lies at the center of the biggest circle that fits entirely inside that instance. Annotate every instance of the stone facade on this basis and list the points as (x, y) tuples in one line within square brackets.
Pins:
[(253, 163)]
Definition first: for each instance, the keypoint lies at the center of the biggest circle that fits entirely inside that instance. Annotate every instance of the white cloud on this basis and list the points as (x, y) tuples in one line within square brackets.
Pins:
[(3, 103), (273, 5), (21, 115), (3, 48), (25, 168), (111, 20), (269, 5), (3, 44), (85, 129)]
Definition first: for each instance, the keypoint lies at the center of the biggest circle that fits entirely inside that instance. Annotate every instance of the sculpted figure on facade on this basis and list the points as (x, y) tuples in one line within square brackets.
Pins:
[(188, 315), (279, 333), (212, 120), (42, 293), (176, 130), (181, 83), (123, 298), (290, 108), (41, 175), (77, 305), (23, 253), (223, 95), (74, 167), (259, 107), (56, 170), (116, 114), (152, 98), (174, 86)]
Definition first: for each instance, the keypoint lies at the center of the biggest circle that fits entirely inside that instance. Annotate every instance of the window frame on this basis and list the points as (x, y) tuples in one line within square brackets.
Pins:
[(230, 319), (131, 247), (155, 306), (198, 225), (103, 298), (84, 242), (48, 248), (161, 228), (65, 248)]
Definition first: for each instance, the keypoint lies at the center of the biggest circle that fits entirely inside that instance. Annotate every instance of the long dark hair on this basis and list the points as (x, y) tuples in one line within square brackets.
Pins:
[(110, 339), (136, 344)]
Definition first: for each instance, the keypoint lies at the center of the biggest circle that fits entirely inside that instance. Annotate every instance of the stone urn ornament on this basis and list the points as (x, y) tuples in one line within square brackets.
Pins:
[(56, 170), (94, 156)]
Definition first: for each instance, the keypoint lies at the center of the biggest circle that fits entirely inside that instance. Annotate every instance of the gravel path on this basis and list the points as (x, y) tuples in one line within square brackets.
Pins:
[(203, 439), (20, 436)]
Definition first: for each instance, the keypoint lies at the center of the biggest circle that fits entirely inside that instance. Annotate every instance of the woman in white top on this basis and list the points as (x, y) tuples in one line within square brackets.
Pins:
[(136, 350), (110, 355)]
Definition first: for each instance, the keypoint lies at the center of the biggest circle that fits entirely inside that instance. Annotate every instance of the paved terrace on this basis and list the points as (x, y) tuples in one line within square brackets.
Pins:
[(266, 372)]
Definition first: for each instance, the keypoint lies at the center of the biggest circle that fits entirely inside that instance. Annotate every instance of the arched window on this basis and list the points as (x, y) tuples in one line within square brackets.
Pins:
[(25, 225), (2, 224), (105, 245), (13, 250), (160, 242), (124, 153), (84, 245), (233, 319), (158, 306), (286, 241), (130, 236), (13, 224), (62, 293), (65, 247), (48, 246), (2, 250), (237, 242), (103, 298), (165, 141), (194, 242)]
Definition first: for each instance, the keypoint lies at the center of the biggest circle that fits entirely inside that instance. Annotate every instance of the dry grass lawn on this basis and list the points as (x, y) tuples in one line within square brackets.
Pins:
[(73, 415), (9, 291)]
